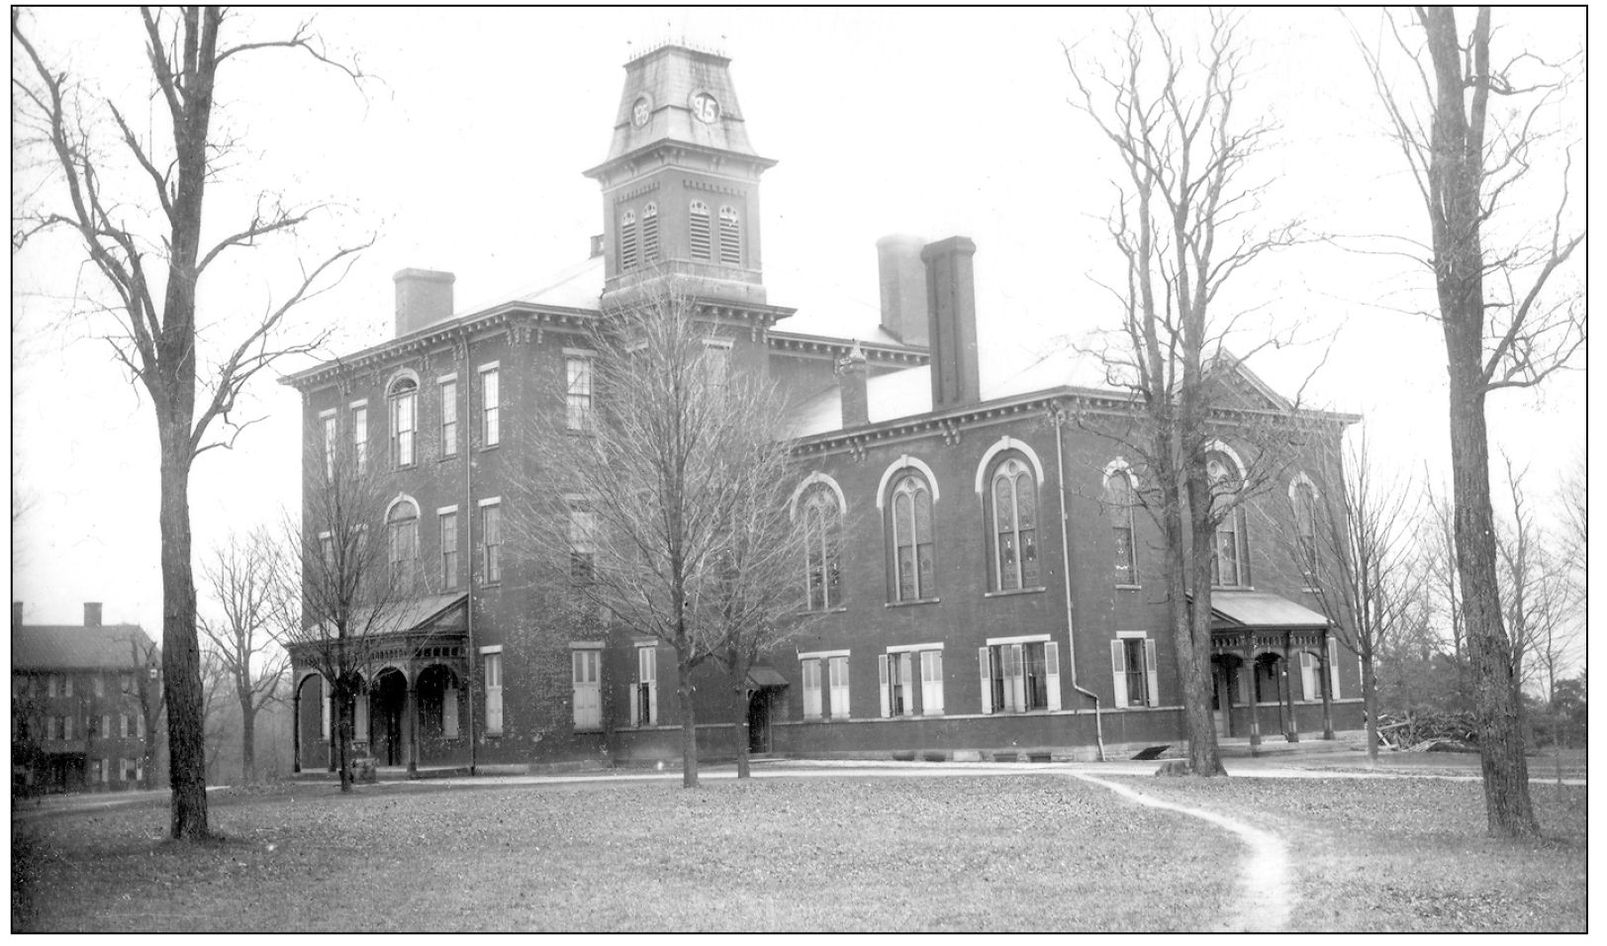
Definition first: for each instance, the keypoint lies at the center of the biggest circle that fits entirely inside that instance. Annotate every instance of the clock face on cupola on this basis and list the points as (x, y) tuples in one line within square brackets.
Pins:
[(641, 111)]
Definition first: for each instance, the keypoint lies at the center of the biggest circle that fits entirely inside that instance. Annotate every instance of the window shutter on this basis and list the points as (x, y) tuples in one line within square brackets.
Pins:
[(652, 694), (1154, 673), (1118, 671), (323, 724), (360, 718), (987, 680), (449, 712), (932, 682), (1308, 676), (906, 681), (1051, 672), (881, 676), (635, 691), (1333, 668)]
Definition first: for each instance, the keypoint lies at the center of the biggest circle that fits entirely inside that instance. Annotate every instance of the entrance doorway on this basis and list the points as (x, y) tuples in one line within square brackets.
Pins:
[(1225, 685), (387, 702), (759, 702)]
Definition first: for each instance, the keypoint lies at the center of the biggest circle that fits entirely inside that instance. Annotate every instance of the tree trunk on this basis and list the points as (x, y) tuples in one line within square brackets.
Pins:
[(248, 742), (683, 690), (181, 656), (739, 710), (1193, 649), (1369, 696), (343, 734)]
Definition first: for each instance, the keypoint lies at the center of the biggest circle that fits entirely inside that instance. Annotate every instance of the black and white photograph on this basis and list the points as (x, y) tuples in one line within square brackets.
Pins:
[(1127, 474)]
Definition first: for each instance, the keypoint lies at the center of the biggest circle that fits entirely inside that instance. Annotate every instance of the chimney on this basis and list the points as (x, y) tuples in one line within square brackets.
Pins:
[(852, 373), (898, 262), (423, 297), (16, 614), (92, 614), (951, 302)]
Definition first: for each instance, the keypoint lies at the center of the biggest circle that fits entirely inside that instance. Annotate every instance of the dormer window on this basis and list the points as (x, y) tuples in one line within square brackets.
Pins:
[(698, 222), (730, 237), (650, 234), (627, 241)]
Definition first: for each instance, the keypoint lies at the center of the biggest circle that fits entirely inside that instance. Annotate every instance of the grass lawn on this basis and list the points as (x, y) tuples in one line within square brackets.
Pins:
[(1001, 853), (1409, 854)]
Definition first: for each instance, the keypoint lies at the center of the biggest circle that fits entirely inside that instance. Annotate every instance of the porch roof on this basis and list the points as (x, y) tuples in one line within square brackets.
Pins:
[(1260, 609), (759, 677), (427, 613)]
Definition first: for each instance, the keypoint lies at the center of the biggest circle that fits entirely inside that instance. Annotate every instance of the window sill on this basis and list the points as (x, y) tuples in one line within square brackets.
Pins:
[(906, 604), (489, 447), (445, 457), (841, 609), (1122, 587), (1014, 591)]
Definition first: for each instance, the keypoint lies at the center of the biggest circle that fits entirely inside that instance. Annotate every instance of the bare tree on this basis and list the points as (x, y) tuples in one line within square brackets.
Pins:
[(153, 264), (1355, 546), (664, 505), (355, 574), (1535, 591), (1505, 319), (243, 578), (145, 683), (1182, 227)]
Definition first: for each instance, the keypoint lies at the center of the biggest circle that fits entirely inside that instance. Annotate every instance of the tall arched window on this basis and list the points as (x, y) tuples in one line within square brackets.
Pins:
[(627, 241), (1012, 509), (1230, 560), (1304, 497), (822, 522), (1120, 498), (730, 237), (913, 570), (402, 525), (698, 224), (650, 234), (404, 420)]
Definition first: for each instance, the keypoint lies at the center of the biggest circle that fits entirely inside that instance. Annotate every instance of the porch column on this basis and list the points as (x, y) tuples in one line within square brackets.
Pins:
[(1255, 711), (1327, 685), (1293, 733), (295, 730), (412, 728)]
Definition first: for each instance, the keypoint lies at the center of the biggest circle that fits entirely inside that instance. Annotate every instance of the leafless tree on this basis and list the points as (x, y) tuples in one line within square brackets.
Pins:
[(1355, 545), (355, 574), (1535, 592), (153, 263), (244, 580), (1183, 225), (145, 683), (1506, 319), (665, 505)]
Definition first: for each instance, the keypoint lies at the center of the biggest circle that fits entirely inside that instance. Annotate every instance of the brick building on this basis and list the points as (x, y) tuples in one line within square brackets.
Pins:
[(79, 704), (971, 599)]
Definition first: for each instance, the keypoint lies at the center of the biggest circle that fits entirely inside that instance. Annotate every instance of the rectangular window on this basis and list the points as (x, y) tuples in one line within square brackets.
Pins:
[(492, 663), (67, 727), (449, 416), (98, 684), (577, 393), (360, 437), (490, 407), (582, 541), (326, 543), (404, 421), (896, 674), (1134, 675), (716, 364), (931, 683), (105, 730), (588, 688), (1020, 676), (449, 548), (837, 668), (491, 542), (644, 691), (122, 725), (67, 686), (331, 442), (811, 689), (404, 552), (139, 722), (52, 685)]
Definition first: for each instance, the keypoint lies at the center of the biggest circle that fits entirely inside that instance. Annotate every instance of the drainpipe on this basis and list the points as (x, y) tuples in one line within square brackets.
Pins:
[(466, 422), (1065, 566)]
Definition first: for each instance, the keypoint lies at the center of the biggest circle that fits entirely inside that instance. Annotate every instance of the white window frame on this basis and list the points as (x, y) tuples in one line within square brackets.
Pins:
[(578, 403), (330, 422), (1015, 692), (403, 404), (491, 670), (1119, 669), (490, 404), (837, 685), (587, 695), (359, 414), (645, 681), (895, 672), (449, 576), (487, 559), (810, 671), (447, 386)]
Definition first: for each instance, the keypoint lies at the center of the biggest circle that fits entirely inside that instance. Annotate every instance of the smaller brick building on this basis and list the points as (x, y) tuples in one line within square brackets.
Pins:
[(79, 697)]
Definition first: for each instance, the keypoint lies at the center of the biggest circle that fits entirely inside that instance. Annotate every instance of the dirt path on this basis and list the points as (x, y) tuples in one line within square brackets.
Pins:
[(1265, 897)]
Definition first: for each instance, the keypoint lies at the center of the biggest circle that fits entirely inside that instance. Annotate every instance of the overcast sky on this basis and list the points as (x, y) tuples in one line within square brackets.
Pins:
[(465, 153)]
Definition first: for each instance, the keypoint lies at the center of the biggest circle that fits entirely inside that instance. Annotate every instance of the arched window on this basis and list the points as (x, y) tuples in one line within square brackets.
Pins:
[(1304, 497), (730, 237), (401, 523), (404, 420), (627, 241), (911, 528), (1230, 559), (822, 525), (650, 234), (698, 222), (1120, 498), (1012, 511)]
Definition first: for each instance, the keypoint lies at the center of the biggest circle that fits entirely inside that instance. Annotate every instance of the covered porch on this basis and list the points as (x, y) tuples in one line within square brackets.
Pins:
[(1271, 667), (411, 673)]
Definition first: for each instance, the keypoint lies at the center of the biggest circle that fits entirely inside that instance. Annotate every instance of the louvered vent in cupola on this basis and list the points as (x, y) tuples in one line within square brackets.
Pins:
[(700, 230), (730, 237)]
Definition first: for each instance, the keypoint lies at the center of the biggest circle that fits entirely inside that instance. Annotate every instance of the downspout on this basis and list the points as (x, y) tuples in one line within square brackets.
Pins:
[(465, 422), (1065, 567)]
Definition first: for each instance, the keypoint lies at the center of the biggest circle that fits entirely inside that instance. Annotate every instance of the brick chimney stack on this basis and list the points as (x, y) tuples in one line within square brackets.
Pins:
[(852, 376), (423, 297), (92, 614), (951, 304), (903, 283)]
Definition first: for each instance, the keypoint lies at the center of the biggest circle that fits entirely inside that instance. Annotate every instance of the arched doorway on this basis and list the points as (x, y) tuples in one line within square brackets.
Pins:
[(759, 705), (387, 717), (439, 695), (1227, 690), (312, 741)]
